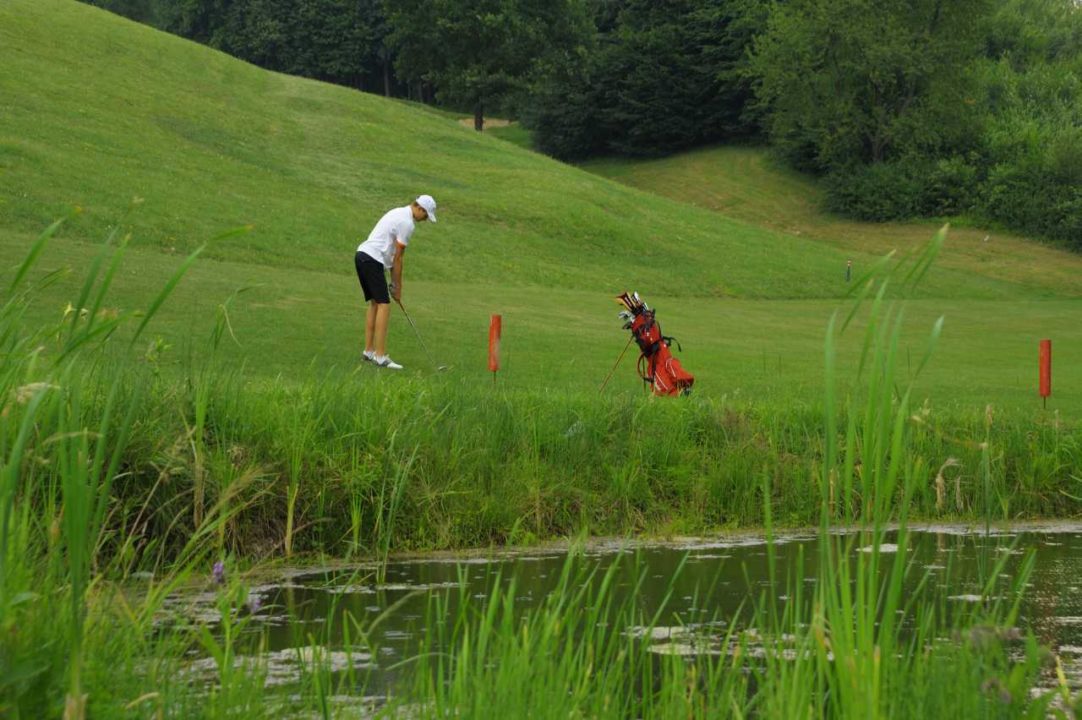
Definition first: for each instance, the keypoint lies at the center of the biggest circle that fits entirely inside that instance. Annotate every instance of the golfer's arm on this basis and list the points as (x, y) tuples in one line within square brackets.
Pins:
[(396, 267)]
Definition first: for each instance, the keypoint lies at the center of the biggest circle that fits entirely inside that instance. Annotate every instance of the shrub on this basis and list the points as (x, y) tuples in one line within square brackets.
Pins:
[(913, 187), (950, 187), (1037, 197), (881, 191)]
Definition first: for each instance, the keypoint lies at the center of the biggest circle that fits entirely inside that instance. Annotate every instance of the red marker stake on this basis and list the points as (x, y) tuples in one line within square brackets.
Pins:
[(1046, 370), (495, 327)]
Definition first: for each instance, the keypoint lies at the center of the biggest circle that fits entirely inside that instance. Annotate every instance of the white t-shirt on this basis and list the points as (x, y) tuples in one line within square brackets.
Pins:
[(397, 225)]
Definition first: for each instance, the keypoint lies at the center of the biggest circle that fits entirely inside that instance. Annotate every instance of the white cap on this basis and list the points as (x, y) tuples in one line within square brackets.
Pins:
[(429, 205)]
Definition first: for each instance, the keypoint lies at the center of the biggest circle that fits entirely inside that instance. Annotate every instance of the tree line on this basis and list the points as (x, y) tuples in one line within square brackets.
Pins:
[(339, 41), (914, 109), (474, 56)]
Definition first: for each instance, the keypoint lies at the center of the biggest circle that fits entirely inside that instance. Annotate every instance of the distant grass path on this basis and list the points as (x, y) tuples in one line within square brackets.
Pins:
[(744, 183)]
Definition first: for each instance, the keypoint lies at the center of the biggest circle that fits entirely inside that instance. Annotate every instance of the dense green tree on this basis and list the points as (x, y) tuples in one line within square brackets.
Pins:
[(560, 107), (864, 81), (340, 41), (1031, 93), (663, 76), (671, 76), (1034, 32), (332, 40), (199, 20), (477, 53), (149, 12), (932, 107)]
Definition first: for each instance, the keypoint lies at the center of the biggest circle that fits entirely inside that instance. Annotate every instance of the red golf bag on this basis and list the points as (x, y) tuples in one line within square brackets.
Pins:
[(657, 366)]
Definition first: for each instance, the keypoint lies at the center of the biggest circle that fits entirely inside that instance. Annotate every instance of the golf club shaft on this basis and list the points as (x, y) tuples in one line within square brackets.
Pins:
[(602, 388), (418, 332)]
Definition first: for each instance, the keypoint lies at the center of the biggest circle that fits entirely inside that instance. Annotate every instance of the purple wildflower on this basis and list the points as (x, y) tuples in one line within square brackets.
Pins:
[(219, 572), (254, 604)]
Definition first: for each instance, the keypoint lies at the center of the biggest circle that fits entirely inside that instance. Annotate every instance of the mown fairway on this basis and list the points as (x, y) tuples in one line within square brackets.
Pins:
[(294, 323), (743, 268)]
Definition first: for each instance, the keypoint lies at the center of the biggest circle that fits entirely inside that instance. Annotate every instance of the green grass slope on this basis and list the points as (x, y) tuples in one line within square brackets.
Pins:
[(96, 110)]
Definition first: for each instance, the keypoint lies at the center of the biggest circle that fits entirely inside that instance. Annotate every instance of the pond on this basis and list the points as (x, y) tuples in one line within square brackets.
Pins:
[(689, 593)]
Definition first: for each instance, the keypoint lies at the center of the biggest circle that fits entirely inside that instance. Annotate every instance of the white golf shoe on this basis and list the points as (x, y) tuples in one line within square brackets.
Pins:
[(387, 362)]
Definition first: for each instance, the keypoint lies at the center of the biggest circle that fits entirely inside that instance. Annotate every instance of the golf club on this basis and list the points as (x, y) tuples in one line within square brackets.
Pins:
[(609, 376), (439, 368)]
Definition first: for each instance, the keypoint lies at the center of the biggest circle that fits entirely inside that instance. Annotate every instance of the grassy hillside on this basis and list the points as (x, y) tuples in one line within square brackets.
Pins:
[(107, 110), (99, 110)]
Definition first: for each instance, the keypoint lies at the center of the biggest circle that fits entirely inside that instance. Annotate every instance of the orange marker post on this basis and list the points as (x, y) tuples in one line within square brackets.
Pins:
[(495, 328), (1046, 370)]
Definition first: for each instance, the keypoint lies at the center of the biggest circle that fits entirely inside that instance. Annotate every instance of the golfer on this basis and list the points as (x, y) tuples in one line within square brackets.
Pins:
[(382, 251)]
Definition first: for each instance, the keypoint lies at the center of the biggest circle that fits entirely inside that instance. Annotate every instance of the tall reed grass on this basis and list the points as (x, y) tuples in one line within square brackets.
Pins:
[(320, 464)]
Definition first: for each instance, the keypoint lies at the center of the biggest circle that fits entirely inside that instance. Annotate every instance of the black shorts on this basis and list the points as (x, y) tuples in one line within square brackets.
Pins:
[(373, 280)]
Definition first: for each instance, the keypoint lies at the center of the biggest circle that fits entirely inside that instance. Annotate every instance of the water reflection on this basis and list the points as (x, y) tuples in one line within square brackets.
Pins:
[(695, 588)]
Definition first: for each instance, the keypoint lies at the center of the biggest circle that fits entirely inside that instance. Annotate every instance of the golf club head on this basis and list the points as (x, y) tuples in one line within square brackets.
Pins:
[(632, 302)]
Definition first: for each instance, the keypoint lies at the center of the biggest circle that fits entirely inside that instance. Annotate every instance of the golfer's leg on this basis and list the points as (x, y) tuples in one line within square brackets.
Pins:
[(370, 326), (383, 316)]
